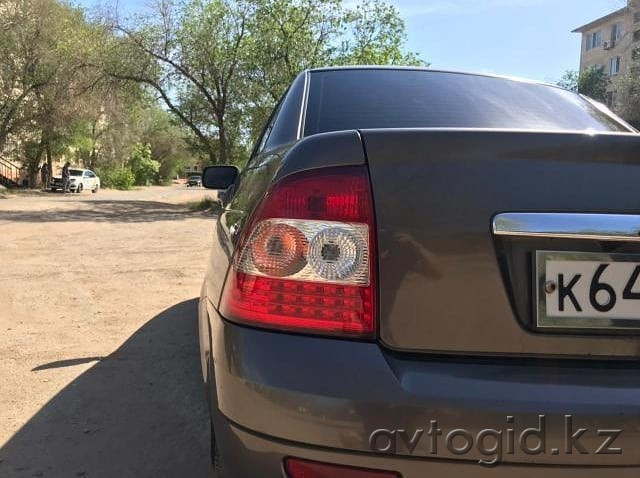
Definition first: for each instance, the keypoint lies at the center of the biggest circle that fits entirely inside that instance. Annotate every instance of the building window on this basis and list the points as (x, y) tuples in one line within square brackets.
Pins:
[(616, 33), (614, 65), (636, 17), (635, 54), (611, 99), (636, 35), (594, 40)]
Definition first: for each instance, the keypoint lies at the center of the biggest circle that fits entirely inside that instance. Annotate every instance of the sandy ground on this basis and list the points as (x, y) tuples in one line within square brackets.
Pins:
[(99, 368)]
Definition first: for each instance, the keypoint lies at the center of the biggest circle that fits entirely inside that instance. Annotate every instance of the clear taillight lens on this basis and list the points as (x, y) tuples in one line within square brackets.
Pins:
[(308, 250), (306, 260)]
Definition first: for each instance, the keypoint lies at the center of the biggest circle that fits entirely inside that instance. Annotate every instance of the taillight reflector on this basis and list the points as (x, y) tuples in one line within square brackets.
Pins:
[(312, 469)]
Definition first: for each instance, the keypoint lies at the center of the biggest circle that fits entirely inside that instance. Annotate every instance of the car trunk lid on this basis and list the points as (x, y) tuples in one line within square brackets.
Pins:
[(447, 283)]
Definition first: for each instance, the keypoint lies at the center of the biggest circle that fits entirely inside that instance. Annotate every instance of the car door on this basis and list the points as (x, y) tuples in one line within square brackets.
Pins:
[(90, 180), (86, 180)]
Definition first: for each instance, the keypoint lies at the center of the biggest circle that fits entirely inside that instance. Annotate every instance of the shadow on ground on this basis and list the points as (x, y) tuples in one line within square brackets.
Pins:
[(140, 412), (104, 211)]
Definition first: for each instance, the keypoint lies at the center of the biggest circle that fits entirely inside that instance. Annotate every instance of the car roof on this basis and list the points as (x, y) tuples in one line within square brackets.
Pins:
[(431, 70)]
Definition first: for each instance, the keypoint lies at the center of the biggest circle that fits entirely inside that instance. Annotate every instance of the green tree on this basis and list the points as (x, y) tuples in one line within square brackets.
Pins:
[(593, 82), (47, 48), (375, 36), (629, 95), (221, 65), (569, 80), (143, 167), (289, 36), (190, 55), (27, 64)]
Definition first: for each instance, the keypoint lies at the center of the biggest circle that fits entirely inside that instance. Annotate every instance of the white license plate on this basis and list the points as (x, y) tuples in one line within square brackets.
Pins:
[(588, 290)]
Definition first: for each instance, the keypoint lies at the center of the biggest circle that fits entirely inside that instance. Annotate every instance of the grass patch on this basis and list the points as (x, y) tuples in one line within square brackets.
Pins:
[(6, 192), (205, 204)]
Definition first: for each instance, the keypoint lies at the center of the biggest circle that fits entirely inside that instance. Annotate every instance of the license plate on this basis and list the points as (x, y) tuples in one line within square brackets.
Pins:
[(578, 290)]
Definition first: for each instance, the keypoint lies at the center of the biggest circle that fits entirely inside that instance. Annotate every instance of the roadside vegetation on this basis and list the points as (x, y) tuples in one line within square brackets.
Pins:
[(140, 98), (205, 204), (595, 81)]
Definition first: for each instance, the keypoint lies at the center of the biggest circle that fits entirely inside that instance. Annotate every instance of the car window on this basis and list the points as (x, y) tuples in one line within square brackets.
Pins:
[(282, 127), (367, 98), (75, 172), (287, 119), (268, 129)]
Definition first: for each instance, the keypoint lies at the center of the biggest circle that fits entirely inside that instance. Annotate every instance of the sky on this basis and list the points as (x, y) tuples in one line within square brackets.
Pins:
[(524, 38)]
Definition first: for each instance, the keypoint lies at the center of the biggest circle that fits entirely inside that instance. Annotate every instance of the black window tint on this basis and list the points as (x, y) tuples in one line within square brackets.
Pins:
[(361, 99), (285, 125), (262, 144)]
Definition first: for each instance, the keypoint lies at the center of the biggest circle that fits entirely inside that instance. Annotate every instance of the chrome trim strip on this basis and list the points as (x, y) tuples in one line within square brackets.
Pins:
[(599, 227), (303, 105)]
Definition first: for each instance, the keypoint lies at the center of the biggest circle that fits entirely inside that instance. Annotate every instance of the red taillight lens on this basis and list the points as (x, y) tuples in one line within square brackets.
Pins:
[(306, 260), (311, 469)]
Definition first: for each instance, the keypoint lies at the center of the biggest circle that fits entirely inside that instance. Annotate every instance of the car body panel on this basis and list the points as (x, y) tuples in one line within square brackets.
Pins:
[(446, 284), (335, 393), (245, 452)]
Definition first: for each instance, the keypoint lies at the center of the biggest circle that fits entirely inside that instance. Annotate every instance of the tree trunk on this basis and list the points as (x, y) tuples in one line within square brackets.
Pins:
[(49, 159), (222, 139), (32, 168)]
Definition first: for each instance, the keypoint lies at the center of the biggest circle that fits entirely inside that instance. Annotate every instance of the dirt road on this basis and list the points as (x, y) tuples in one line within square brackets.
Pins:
[(99, 368)]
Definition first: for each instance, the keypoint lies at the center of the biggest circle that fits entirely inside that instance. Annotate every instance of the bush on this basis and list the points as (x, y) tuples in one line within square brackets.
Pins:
[(117, 178), (145, 169)]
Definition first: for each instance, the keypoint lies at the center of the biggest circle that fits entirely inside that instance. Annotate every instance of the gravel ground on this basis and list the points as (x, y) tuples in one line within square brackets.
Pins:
[(99, 368)]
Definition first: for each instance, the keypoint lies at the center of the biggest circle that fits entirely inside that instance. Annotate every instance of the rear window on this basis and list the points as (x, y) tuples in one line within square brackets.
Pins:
[(75, 172), (364, 99)]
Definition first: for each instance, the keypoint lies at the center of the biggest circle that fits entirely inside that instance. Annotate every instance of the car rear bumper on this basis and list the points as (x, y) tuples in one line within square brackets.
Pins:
[(322, 399), (248, 454)]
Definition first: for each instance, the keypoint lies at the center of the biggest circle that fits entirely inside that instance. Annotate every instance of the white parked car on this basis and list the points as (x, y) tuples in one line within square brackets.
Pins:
[(79, 180)]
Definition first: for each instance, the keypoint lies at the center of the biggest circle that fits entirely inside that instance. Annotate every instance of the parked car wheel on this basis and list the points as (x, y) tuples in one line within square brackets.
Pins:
[(79, 188), (95, 190)]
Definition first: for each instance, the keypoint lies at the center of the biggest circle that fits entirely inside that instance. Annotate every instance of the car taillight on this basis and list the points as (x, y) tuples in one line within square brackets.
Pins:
[(306, 260), (312, 469)]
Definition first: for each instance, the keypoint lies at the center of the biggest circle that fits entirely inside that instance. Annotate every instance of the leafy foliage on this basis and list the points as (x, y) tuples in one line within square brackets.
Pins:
[(629, 91), (569, 80), (119, 177), (142, 166), (593, 82), (220, 66), (189, 82)]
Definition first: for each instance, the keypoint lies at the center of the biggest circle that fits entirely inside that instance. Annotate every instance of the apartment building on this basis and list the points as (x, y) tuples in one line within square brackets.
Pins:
[(612, 42)]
